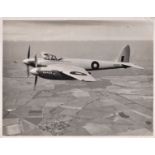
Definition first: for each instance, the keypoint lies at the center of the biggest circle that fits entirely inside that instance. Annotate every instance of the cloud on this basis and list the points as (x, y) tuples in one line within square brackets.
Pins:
[(77, 30)]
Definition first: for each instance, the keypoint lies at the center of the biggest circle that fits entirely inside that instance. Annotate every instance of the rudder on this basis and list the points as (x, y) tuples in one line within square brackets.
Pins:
[(125, 54)]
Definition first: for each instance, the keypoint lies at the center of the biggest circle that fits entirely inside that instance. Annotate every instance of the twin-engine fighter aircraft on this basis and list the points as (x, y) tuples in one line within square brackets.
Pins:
[(50, 67)]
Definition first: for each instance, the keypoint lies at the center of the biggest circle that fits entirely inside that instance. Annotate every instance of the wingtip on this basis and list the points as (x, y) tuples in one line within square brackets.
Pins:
[(91, 80), (138, 67), (141, 68)]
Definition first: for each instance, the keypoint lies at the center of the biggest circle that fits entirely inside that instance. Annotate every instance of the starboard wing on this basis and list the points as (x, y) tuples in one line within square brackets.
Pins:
[(72, 71)]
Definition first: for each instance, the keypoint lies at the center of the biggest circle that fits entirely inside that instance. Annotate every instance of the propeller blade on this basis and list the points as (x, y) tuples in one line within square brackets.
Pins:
[(28, 71), (35, 82), (28, 53), (36, 61)]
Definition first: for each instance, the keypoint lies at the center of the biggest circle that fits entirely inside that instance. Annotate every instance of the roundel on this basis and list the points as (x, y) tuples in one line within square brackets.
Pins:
[(95, 65)]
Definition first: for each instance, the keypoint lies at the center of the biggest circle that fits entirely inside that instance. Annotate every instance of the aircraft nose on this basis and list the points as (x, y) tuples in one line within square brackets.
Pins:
[(25, 61), (34, 71)]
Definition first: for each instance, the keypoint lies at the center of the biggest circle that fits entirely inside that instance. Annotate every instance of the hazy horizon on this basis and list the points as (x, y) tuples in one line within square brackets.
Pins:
[(72, 30)]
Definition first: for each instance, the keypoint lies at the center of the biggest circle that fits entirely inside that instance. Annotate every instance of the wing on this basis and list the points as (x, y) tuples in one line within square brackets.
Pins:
[(72, 71)]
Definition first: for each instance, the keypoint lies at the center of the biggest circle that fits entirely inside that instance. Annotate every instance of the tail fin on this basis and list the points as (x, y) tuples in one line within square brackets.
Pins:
[(124, 55), (124, 58)]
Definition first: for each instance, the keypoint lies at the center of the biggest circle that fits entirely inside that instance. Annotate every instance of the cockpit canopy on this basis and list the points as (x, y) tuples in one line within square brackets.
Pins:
[(49, 56)]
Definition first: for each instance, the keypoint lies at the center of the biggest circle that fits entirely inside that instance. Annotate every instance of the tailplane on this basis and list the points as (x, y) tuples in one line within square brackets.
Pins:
[(127, 64), (124, 58), (124, 55)]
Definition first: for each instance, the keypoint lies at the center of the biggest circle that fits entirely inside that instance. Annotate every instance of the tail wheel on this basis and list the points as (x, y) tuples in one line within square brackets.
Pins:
[(95, 65)]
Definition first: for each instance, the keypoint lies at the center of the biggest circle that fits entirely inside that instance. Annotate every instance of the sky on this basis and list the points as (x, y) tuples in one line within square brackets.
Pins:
[(77, 30)]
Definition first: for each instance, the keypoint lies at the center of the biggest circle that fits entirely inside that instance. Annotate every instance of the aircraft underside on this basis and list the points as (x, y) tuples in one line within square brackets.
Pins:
[(54, 75)]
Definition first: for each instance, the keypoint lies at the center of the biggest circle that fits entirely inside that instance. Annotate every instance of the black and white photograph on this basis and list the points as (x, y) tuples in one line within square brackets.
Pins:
[(78, 77)]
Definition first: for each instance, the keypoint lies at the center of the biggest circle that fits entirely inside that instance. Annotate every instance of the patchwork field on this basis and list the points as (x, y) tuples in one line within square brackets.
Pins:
[(114, 105)]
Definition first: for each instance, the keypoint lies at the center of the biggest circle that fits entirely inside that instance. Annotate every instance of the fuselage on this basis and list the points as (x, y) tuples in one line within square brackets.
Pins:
[(91, 65), (87, 64)]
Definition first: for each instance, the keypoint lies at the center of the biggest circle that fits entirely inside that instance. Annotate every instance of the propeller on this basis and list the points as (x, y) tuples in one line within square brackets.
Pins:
[(36, 61), (28, 70), (28, 53), (27, 65), (36, 76), (35, 82)]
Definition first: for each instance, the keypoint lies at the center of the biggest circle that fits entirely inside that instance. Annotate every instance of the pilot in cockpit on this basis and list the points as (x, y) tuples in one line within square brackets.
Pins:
[(48, 56)]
